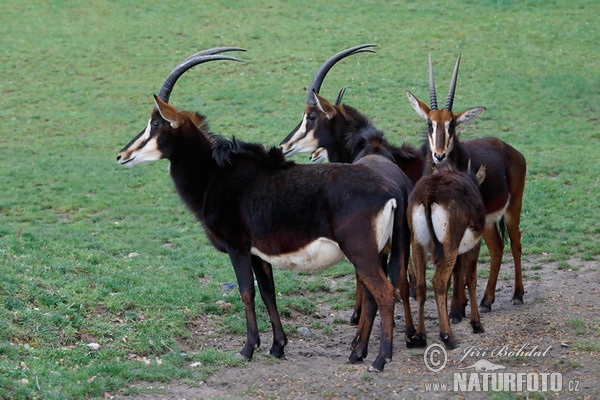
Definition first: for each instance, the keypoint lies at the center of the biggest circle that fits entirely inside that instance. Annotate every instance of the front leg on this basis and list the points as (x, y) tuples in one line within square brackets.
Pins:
[(266, 285), (242, 265)]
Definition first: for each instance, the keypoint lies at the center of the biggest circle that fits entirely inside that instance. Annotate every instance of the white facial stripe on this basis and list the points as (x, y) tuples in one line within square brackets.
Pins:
[(146, 134), (301, 141), (433, 136), (318, 254), (149, 152), (301, 132)]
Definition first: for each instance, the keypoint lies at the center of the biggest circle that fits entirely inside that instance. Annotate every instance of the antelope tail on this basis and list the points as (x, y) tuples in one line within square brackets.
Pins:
[(437, 248)]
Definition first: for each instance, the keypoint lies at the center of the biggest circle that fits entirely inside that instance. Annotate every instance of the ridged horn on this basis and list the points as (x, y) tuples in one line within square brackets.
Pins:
[(340, 96), (317, 80), (450, 99), (198, 58), (432, 95)]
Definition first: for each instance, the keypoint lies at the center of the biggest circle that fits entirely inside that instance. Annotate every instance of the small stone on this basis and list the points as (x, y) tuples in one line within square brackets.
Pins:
[(228, 286), (304, 331), (93, 346)]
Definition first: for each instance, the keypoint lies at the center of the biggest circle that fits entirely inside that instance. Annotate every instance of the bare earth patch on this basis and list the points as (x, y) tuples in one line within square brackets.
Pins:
[(560, 318)]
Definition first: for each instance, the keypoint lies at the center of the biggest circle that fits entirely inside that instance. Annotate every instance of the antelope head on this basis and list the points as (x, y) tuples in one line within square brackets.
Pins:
[(147, 145), (318, 111), (441, 124)]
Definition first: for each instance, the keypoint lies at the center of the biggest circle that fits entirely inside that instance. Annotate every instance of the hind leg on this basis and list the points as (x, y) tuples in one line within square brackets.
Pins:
[(512, 220), (459, 299), (470, 276), (495, 245), (420, 264), (441, 282), (355, 317)]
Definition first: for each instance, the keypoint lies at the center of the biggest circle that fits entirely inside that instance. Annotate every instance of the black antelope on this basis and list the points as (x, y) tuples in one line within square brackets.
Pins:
[(446, 217), (333, 126), (261, 210), (502, 190), (340, 133)]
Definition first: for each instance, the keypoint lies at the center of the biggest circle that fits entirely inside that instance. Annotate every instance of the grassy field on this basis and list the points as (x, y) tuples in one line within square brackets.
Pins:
[(93, 253)]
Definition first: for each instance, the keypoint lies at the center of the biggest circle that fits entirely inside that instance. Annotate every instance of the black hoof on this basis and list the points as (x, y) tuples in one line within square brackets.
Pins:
[(417, 341), (455, 317), (277, 351), (355, 359), (517, 302), (246, 355), (354, 319), (477, 327), (483, 308), (448, 341), (377, 365), (486, 305)]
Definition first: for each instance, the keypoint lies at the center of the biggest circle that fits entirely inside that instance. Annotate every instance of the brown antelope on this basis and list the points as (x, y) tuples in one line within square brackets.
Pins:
[(446, 217), (502, 190), (261, 210), (337, 128)]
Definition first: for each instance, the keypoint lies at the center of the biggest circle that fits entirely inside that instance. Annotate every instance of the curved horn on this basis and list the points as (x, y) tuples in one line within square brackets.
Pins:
[(214, 50), (203, 56), (432, 95), (340, 95), (452, 86), (326, 66)]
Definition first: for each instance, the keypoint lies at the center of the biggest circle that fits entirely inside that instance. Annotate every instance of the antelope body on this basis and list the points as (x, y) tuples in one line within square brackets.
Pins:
[(446, 216), (339, 133), (263, 210), (502, 190)]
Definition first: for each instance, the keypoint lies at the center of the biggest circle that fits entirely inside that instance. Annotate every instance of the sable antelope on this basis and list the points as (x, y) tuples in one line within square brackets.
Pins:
[(330, 126), (446, 216), (502, 190), (336, 129), (261, 210)]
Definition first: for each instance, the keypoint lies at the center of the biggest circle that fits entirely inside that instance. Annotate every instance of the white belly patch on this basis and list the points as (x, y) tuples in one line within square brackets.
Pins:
[(495, 216), (468, 241), (318, 254)]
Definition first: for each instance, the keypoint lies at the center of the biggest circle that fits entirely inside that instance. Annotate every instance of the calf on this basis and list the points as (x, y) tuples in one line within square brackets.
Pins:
[(446, 216)]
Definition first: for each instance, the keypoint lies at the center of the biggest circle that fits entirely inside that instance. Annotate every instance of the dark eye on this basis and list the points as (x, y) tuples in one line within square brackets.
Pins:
[(429, 126), (154, 123), (311, 117)]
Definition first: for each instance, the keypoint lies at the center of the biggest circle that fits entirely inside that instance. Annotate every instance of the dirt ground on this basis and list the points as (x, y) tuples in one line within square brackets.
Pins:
[(556, 331)]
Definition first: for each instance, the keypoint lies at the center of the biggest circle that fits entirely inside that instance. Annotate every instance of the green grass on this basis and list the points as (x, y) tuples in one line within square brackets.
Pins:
[(77, 84)]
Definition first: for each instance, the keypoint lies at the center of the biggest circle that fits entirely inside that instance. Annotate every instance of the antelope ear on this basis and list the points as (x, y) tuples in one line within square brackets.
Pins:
[(325, 106), (469, 115), (481, 172), (420, 108), (168, 112)]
